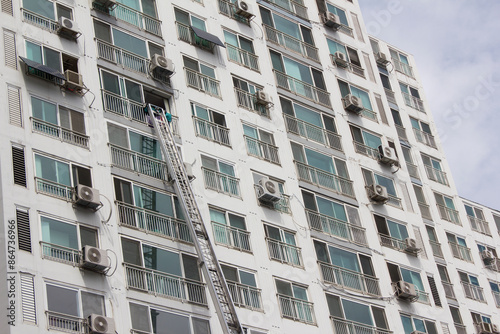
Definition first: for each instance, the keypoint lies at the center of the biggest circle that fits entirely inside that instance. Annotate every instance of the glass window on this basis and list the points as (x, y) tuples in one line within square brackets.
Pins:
[(52, 170), (340, 12), (62, 300), (41, 7)]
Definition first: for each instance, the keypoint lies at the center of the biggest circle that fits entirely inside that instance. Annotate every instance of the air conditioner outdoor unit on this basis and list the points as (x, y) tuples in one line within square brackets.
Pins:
[(189, 171), (411, 245), (487, 256), (67, 28), (73, 80), (382, 59), (353, 103), (331, 20), (484, 327), (340, 59), (388, 155), (162, 64), (95, 259), (87, 196), (243, 9), (107, 3), (99, 324), (378, 193), (269, 190), (405, 290), (263, 97)]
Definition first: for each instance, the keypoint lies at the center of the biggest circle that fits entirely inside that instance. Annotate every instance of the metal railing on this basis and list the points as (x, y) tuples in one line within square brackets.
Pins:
[(283, 205), (336, 227), (391, 96), (349, 279), (425, 138), (460, 252), (138, 162), (425, 210), (449, 292), (324, 179), (436, 249), (230, 9), (291, 43), (423, 297), (343, 326), (395, 201), (402, 67), (479, 225), (153, 222), (242, 57), (211, 131), (60, 253), (449, 214), (56, 131), (245, 296), (366, 150), (472, 291), (302, 88), (295, 7), (186, 34), (284, 253), (54, 189), (401, 132), (356, 69), (262, 150), (231, 236), (461, 329), (413, 102), (496, 296), (39, 20), (165, 285), (221, 182), (313, 132), (392, 242), (413, 170), (122, 106), (202, 82), (66, 323), (249, 101), (296, 309)]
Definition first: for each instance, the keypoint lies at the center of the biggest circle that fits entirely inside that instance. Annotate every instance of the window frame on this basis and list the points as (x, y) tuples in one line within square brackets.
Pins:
[(71, 168), (79, 292)]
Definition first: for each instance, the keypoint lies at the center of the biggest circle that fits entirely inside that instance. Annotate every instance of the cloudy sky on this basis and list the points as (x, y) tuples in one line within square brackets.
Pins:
[(456, 44)]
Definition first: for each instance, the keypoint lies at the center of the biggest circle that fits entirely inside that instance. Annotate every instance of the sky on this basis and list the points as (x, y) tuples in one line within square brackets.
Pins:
[(456, 45)]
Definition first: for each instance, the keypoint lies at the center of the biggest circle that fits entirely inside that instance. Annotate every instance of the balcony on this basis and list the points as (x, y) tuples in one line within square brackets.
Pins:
[(66, 323), (296, 309), (165, 285), (448, 290), (366, 150), (291, 43), (262, 150), (211, 131), (39, 20), (292, 6), (473, 292), (496, 296), (202, 82), (229, 9), (232, 237), (343, 326), (302, 89), (402, 67), (401, 132), (35, 69), (242, 57), (55, 131), (138, 162), (249, 101), (127, 14), (460, 252), (324, 179), (355, 69), (479, 225), (425, 210), (124, 107), (283, 205), (335, 227), (449, 214), (284, 253), (245, 296), (414, 102), (221, 182), (54, 189), (153, 222), (391, 242), (61, 254), (425, 138), (436, 249), (187, 34), (312, 132), (349, 279)]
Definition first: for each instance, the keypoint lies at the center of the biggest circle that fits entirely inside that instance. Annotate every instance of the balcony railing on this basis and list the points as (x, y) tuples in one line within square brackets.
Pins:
[(425, 210), (221, 182), (496, 296), (39, 20), (229, 9), (242, 57), (303, 89), (66, 323), (391, 96), (54, 189), (449, 214), (153, 222), (343, 326), (293, 6), (402, 67), (313, 132), (423, 297), (232, 237), (56, 131), (349, 279), (138, 162), (425, 138), (436, 249), (366, 150), (461, 329), (336, 227), (392, 242), (413, 170), (211, 131), (122, 57), (262, 150), (245, 296), (324, 179), (414, 102), (249, 101), (297, 309), (460, 252), (394, 201), (202, 82), (448, 290), (436, 175), (285, 253), (165, 285), (291, 43), (479, 225), (124, 107), (401, 132), (60, 253), (472, 291), (283, 205), (186, 34), (358, 70)]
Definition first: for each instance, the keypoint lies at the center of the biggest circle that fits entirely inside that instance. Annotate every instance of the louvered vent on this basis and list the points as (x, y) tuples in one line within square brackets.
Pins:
[(9, 49), (23, 230), (14, 101), (434, 291), (28, 298), (19, 166), (7, 7)]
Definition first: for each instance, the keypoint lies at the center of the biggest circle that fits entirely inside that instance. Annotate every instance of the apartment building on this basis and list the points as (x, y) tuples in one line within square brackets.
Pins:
[(313, 157)]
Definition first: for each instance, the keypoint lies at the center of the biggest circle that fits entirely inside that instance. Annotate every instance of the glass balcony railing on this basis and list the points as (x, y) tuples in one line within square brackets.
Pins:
[(473, 292), (343, 326), (401, 132), (229, 9), (56, 131), (324, 179), (39, 20), (232, 237), (312, 132), (336, 227), (291, 43), (460, 252), (242, 57), (296, 7), (211, 131), (479, 225), (138, 162), (425, 210), (302, 89), (202, 82), (349, 279), (249, 101), (54, 189), (221, 182), (425, 138), (436, 175), (245, 296), (402, 67), (60, 253), (436, 249), (414, 102), (284, 253), (448, 290), (391, 96), (413, 170), (297, 309), (449, 214), (262, 150), (66, 323)]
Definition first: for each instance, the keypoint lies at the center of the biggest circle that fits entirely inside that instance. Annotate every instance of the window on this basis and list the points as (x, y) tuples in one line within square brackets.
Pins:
[(340, 12), (293, 302), (447, 209), (246, 96), (497, 222), (201, 77), (490, 262), (375, 178), (243, 287), (240, 50), (411, 324), (422, 132), (134, 141), (495, 289), (366, 143), (478, 318), (230, 229), (147, 319), (386, 83), (283, 205), (470, 284), (364, 96), (260, 144), (220, 176), (433, 240), (46, 9), (187, 26), (398, 273), (282, 246), (445, 281), (307, 123), (51, 58), (422, 202), (351, 56), (476, 219), (459, 247), (348, 315), (349, 270), (210, 125), (144, 6), (391, 233), (122, 96), (401, 62), (412, 97)]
